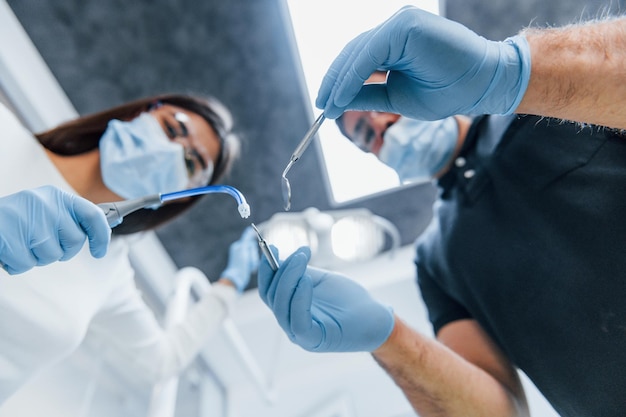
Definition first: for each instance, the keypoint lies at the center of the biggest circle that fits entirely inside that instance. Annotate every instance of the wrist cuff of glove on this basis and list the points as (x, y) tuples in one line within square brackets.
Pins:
[(389, 323), (522, 48)]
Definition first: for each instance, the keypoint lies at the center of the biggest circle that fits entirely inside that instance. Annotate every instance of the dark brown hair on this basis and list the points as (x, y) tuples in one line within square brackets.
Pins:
[(83, 135)]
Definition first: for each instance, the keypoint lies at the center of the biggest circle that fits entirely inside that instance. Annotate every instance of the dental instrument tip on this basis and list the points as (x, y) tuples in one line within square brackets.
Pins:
[(267, 252), (244, 210)]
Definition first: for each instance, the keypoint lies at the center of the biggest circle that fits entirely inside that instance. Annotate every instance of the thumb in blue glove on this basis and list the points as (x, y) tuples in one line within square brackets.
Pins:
[(45, 225), (243, 259), (323, 311), (437, 68)]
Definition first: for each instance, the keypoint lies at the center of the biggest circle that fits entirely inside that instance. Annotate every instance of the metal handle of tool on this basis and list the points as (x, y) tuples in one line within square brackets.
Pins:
[(116, 211), (265, 249), (308, 137), (267, 252)]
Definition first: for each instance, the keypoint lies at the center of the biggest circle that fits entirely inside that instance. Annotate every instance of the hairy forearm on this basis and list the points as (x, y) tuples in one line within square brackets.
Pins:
[(438, 382), (579, 73)]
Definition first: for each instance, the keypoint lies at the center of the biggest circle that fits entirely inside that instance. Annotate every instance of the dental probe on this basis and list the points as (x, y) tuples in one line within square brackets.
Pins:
[(266, 250), (116, 211), (306, 140), (304, 143)]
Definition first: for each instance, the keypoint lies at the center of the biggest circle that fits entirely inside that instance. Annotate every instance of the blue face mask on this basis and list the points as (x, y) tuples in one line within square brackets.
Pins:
[(416, 149), (137, 159)]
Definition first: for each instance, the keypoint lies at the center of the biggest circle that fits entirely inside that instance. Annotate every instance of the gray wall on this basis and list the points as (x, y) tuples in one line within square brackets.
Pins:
[(104, 52), (498, 19)]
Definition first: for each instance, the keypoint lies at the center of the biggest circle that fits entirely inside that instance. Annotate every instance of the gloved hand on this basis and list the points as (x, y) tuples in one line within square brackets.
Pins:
[(323, 311), (46, 224), (243, 259), (438, 68)]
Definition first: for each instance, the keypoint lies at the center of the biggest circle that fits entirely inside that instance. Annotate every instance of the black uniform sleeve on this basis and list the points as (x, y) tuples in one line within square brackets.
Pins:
[(442, 308)]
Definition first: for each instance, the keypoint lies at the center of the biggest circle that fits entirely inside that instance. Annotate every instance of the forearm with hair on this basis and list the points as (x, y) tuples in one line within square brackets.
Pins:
[(578, 73), (437, 382)]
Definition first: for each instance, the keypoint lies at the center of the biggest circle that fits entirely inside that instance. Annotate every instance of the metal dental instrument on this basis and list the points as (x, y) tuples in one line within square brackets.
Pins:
[(266, 250), (116, 211), (304, 143)]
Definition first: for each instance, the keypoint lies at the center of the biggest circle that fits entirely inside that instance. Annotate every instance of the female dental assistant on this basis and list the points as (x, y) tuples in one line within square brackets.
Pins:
[(46, 313)]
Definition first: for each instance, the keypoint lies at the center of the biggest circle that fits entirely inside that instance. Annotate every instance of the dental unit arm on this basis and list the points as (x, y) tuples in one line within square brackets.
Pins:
[(116, 211)]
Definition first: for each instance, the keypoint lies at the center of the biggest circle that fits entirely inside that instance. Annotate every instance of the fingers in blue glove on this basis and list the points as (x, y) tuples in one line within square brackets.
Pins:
[(288, 292), (246, 249), (268, 280), (359, 59), (328, 89), (49, 250), (243, 259), (301, 320), (94, 224), (45, 225), (437, 68), (372, 51), (289, 277), (15, 258)]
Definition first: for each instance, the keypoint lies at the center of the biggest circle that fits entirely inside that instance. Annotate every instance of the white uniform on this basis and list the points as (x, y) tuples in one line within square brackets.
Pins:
[(46, 312)]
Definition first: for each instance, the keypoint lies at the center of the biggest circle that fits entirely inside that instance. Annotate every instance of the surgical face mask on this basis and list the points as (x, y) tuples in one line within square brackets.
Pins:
[(137, 159), (416, 149)]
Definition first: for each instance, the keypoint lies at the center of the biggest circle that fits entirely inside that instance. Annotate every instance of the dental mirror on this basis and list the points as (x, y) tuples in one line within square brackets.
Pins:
[(286, 188), (304, 143)]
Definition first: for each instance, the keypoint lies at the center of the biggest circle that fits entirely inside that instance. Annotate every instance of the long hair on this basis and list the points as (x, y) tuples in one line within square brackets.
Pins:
[(83, 135)]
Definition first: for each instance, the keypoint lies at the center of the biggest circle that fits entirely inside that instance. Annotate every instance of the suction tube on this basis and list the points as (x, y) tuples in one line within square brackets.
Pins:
[(116, 211), (242, 205)]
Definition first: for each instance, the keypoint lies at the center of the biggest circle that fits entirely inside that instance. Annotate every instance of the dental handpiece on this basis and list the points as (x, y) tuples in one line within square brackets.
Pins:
[(116, 211), (267, 252)]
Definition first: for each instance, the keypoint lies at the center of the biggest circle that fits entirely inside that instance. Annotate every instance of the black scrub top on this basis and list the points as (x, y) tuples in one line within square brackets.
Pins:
[(530, 241)]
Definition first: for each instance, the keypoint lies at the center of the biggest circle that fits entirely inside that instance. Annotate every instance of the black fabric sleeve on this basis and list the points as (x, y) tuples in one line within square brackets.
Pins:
[(442, 308)]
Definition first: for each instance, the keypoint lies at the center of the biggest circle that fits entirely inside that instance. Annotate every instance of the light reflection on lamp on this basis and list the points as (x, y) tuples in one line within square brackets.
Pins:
[(335, 237), (289, 234)]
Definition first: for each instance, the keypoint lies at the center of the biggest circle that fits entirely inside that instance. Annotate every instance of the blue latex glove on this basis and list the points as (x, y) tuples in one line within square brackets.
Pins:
[(438, 68), (323, 311), (243, 259), (45, 224)]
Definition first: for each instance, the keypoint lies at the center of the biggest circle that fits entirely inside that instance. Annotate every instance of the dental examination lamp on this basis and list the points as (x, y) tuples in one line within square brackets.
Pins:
[(116, 211), (336, 237)]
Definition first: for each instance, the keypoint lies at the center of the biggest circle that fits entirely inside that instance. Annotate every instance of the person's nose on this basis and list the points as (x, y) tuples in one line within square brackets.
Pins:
[(378, 125)]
